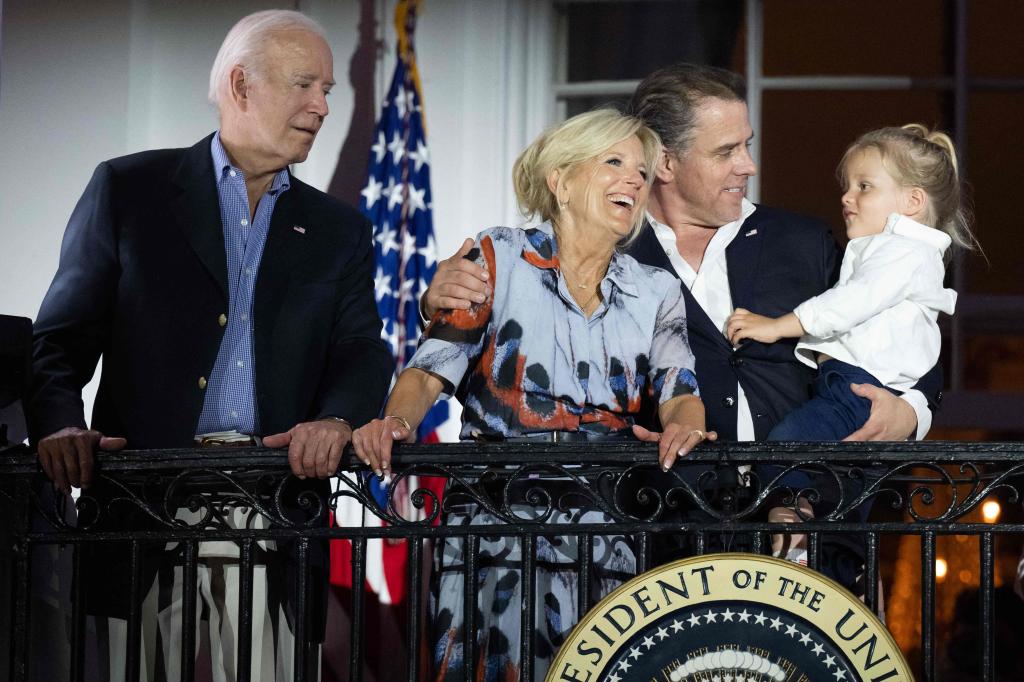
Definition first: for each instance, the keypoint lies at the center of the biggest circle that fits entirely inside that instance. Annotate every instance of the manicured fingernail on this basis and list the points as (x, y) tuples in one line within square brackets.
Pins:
[(396, 435), (379, 473), (665, 467), (387, 479)]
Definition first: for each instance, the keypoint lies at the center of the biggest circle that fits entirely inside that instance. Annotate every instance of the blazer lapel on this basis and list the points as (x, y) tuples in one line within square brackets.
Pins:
[(285, 248), (648, 250), (197, 211), (742, 258)]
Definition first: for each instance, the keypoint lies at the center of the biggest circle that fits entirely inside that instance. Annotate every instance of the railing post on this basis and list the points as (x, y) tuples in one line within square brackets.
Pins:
[(18, 521)]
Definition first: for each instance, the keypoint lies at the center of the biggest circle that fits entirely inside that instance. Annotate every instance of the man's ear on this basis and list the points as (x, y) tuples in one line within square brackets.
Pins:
[(239, 86), (915, 203), (665, 169)]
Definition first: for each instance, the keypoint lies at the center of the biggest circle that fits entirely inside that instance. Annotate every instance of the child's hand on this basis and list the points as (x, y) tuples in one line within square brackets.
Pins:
[(744, 324)]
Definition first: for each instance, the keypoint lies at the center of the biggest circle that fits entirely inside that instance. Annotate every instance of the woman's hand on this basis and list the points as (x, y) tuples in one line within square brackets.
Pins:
[(677, 440), (373, 441)]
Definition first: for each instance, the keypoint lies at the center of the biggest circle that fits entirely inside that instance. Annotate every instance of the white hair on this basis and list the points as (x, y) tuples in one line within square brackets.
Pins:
[(246, 44)]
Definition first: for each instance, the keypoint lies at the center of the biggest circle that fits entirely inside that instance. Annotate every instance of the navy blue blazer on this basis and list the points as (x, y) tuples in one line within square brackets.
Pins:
[(142, 281), (778, 260)]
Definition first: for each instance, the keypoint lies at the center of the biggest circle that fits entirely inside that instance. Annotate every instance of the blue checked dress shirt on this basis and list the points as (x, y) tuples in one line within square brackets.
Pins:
[(230, 402)]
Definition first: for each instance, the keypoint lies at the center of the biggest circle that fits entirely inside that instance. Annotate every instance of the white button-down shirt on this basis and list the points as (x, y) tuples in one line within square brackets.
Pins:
[(710, 288), (882, 313)]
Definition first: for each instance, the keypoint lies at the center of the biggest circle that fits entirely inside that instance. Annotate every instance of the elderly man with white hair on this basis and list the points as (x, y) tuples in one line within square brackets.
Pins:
[(229, 301)]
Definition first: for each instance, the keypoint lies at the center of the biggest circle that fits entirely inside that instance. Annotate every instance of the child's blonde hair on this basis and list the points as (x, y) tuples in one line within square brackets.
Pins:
[(916, 156)]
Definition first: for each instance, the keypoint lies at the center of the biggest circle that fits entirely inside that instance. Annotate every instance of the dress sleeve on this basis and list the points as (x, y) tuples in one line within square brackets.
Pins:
[(671, 361), (454, 339)]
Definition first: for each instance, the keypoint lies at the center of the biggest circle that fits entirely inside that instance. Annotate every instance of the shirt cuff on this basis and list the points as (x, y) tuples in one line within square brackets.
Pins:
[(443, 359), (917, 401)]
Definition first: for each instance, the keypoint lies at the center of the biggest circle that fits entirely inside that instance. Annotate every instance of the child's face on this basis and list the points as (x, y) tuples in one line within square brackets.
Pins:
[(871, 194)]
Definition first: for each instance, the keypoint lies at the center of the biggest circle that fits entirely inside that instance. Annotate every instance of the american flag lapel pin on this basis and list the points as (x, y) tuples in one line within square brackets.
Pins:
[(748, 234), (299, 228)]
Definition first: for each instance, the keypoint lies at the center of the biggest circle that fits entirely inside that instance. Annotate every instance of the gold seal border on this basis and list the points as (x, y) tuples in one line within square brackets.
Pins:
[(721, 587)]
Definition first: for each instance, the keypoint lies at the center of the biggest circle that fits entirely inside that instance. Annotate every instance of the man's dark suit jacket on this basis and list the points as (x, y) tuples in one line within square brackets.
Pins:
[(778, 260), (142, 281)]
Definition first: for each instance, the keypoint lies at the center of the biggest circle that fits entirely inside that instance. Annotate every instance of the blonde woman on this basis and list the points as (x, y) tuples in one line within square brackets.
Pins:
[(575, 336)]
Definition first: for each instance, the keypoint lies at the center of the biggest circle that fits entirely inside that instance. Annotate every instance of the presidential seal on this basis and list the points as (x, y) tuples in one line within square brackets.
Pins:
[(730, 618)]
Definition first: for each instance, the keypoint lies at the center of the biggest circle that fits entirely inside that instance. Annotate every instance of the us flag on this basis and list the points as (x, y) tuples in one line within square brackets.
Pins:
[(397, 201)]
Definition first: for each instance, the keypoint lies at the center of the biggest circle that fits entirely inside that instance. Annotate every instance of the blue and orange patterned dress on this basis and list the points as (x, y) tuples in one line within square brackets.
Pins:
[(529, 361)]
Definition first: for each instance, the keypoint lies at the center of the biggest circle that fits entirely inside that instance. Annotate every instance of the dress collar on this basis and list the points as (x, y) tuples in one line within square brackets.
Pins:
[(541, 251)]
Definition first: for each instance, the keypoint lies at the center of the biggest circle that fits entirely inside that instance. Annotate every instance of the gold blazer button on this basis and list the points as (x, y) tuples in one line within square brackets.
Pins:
[(202, 382)]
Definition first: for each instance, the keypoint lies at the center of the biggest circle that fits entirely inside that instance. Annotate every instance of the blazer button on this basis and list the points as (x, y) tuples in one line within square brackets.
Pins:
[(222, 320), (728, 401), (202, 382)]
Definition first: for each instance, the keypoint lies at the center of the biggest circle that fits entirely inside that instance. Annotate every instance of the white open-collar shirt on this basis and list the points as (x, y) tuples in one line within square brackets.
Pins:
[(710, 287)]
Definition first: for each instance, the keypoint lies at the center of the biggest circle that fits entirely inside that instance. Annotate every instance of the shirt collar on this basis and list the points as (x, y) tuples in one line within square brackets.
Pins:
[(907, 227), (662, 231), (222, 168), (541, 251)]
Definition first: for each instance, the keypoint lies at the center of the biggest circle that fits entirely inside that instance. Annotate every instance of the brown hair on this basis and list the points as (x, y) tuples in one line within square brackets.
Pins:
[(667, 100)]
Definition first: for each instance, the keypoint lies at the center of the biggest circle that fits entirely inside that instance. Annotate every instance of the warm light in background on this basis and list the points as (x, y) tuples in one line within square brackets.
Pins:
[(990, 511), (940, 569)]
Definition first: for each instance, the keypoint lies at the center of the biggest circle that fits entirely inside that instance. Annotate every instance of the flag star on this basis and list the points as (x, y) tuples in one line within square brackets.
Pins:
[(614, 678), (393, 193), (410, 100), (421, 156), (662, 633), (677, 626), (421, 287), (408, 244), (416, 200), (818, 649), (405, 289), (694, 620), (400, 101), (635, 652), (805, 638), (776, 623), (790, 630), (379, 147), (744, 616), (710, 616), (397, 148), (830, 661), (429, 252), (624, 665), (648, 642), (372, 191), (391, 338), (727, 615), (839, 674), (381, 284), (386, 239), (716, 678)]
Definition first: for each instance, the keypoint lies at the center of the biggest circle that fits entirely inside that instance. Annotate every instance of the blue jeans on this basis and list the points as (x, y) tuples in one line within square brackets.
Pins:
[(834, 412)]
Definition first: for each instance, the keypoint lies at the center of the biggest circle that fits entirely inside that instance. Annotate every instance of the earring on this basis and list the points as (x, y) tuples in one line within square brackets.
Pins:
[(562, 204)]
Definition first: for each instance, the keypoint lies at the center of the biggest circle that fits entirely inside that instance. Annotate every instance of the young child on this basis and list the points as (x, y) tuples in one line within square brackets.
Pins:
[(877, 325)]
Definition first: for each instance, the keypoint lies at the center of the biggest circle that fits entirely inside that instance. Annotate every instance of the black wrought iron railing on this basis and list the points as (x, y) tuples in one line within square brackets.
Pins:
[(714, 500)]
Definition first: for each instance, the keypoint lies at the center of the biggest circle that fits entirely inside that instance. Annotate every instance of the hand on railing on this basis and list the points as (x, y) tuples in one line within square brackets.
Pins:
[(67, 455)]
